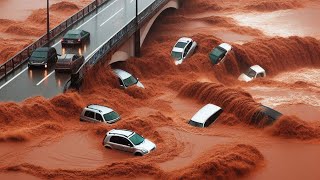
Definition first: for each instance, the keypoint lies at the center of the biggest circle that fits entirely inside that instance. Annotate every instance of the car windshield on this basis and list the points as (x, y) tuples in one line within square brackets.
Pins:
[(111, 116), (216, 53), (250, 73), (176, 55), (136, 139), (130, 81), (196, 124), (72, 36), (181, 45), (39, 54)]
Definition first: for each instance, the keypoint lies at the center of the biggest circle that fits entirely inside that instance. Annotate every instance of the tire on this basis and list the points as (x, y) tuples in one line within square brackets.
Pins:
[(138, 154)]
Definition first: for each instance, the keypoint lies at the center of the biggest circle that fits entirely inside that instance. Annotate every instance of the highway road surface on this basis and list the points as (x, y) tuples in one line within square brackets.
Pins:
[(103, 24)]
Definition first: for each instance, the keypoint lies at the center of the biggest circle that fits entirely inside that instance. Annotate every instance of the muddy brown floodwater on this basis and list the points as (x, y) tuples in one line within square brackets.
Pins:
[(43, 138)]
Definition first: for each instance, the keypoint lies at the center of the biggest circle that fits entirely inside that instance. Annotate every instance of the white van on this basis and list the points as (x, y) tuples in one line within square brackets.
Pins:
[(253, 72), (206, 116)]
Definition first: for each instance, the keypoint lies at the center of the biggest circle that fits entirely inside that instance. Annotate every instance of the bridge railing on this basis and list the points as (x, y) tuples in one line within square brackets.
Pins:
[(76, 78), (22, 56)]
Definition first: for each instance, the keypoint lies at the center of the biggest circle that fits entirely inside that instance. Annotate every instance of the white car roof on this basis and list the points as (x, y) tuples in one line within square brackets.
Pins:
[(121, 73), (175, 49), (205, 112), (123, 132), (257, 68), (226, 46), (185, 39), (100, 108)]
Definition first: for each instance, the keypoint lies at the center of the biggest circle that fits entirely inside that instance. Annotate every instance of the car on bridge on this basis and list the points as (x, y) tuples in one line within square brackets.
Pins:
[(98, 113), (183, 48), (206, 116), (43, 57), (219, 53), (69, 62), (129, 141), (126, 79), (75, 37), (265, 116), (253, 72)]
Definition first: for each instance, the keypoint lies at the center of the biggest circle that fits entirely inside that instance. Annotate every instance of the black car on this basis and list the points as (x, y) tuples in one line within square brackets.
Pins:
[(75, 37), (265, 116), (43, 56)]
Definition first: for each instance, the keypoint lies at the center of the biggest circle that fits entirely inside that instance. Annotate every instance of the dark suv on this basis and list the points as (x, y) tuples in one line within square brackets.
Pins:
[(43, 56)]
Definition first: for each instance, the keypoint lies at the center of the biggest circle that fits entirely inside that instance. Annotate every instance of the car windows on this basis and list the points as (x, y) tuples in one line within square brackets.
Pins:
[(188, 46), (121, 83), (124, 141), (75, 57), (99, 117), (259, 75), (89, 114), (212, 118), (115, 139)]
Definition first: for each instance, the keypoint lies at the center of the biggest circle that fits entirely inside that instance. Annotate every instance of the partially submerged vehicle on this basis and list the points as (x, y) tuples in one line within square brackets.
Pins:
[(266, 116), (206, 116), (219, 53), (129, 141), (253, 72), (183, 48), (98, 113), (126, 79)]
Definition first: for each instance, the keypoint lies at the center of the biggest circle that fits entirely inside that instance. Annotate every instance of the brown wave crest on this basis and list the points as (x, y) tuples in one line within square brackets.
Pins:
[(293, 127), (27, 133), (266, 6), (230, 162), (64, 6)]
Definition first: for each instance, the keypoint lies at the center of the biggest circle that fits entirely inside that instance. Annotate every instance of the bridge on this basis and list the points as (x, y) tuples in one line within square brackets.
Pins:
[(117, 29)]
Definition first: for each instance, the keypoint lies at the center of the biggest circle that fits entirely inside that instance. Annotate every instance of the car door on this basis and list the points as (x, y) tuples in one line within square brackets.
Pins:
[(89, 116), (126, 145), (99, 118), (115, 142)]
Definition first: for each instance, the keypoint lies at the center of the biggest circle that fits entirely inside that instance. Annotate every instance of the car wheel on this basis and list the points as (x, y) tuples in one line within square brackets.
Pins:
[(138, 154)]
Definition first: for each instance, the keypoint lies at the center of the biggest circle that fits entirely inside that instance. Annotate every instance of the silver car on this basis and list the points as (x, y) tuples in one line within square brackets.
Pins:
[(98, 113), (184, 48), (129, 141), (126, 79)]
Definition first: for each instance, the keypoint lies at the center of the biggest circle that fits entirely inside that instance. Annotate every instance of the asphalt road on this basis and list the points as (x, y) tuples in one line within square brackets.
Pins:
[(102, 25)]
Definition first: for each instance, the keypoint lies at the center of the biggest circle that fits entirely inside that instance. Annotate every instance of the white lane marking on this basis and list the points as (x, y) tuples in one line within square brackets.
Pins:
[(89, 19), (45, 78), (111, 17), (13, 78)]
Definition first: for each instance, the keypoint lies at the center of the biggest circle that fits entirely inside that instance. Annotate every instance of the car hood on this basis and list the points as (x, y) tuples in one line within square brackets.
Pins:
[(139, 84), (244, 77), (147, 145)]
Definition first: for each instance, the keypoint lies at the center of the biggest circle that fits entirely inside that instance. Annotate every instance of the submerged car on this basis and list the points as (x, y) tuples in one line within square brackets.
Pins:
[(206, 116), (69, 62), (219, 53), (129, 141), (75, 37), (98, 113), (43, 56), (265, 116), (184, 48), (126, 79), (253, 72)]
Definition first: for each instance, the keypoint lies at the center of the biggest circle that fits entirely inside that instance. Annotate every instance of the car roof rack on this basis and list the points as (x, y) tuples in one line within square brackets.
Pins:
[(94, 108)]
